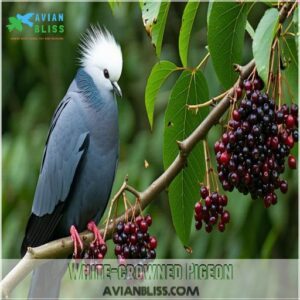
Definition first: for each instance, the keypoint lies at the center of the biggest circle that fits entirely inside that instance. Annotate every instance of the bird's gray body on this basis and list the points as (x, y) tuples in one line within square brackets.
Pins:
[(97, 122), (78, 165)]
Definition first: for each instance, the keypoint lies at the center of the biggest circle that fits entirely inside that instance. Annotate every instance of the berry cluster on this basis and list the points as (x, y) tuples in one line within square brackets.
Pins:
[(96, 251), (251, 154), (133, 241), (211, 211)]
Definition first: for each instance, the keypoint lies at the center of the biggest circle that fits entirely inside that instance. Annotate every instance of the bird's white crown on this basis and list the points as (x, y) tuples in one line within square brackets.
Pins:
[(101, 56)]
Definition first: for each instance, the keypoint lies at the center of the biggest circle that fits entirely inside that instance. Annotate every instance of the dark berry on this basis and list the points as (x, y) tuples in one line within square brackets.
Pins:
[(204, 192), (208, 201), (133, 239), (116, 238), (143, 226), (198, 225), (294, 110), (290, 122), (152, 242), (238, 92), (133, 227), (212, 220), (292, 162), (247, 85), (283, 186), (257, 84), (279, 117), (267, 200), (198, 208), (289, 141), (221, 227), (126, 251), (103, 249), (127, 228), (224, 200), (208, 228), (225, 217), (148, 220), (118, 249), (120, 227), (139, 219), (224, 159)]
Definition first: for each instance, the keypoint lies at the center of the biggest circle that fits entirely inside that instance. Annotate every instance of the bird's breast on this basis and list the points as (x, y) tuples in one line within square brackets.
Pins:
[(101, 116)]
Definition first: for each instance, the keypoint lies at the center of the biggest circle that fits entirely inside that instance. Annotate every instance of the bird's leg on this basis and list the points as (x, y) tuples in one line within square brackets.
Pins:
[(78, 245), (93, 228)]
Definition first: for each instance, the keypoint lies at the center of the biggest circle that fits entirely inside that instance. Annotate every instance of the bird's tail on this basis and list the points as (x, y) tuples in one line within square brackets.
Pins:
[(46, 279)]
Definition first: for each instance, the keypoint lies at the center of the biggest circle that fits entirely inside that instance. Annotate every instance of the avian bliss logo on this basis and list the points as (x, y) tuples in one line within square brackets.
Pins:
[(38, 23)]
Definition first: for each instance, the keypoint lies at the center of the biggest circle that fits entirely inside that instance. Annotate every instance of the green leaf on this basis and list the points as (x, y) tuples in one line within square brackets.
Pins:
[(159, 74), (14, 20), (141, 3), (113, 4), (226, 31), (190, 88), (250, 30), (296, 17), (185, 30), (19, 26), (262, 42), (290, 73), (210, 4), (159, 27)]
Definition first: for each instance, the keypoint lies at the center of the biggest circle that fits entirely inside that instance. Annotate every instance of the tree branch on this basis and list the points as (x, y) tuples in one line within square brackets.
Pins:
[(62, 248)]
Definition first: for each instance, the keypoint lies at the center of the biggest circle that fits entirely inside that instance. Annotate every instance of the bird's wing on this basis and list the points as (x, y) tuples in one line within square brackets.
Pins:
[(66, 144), (28, 16)]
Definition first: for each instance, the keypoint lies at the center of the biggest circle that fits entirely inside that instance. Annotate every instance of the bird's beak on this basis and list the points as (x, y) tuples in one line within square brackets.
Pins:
[(116, 88)]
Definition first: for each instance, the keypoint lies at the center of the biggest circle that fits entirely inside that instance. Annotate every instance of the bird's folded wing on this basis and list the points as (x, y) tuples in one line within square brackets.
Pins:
[(66, 144)]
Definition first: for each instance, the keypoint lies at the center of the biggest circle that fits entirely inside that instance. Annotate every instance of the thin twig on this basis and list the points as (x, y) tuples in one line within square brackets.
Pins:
[(292, 9), (270, 78), (206, 166), (114, 199), (211, 169), (207, 103), (279, 75), (203, 61)]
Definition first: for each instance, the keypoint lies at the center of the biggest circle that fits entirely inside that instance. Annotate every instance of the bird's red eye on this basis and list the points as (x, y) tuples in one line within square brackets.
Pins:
[(106, 74)]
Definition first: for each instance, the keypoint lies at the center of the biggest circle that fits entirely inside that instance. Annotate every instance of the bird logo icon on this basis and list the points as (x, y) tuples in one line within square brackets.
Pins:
[(16, 23)]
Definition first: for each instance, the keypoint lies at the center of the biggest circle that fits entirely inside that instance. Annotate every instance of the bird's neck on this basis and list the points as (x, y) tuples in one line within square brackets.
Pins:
[(101, 108), (94, 96)]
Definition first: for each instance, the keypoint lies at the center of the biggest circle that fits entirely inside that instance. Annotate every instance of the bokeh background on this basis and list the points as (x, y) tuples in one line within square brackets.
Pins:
[(35, 77)]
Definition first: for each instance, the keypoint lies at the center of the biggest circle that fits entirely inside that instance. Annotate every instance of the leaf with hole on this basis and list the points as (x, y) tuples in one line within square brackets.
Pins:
[(150, 12), (226, 31), (190, 88), (262, 42), (188, 18), (160, 72)]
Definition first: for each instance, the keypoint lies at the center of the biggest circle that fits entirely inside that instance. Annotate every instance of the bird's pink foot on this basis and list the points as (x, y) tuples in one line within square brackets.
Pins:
[(78, 245), (93, 228), (98, 247)]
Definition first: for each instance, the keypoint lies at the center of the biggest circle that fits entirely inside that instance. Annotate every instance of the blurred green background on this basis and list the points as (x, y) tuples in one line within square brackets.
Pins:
[(35, 77)]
